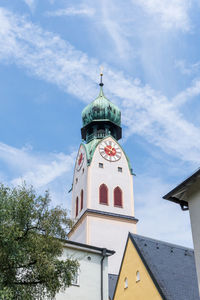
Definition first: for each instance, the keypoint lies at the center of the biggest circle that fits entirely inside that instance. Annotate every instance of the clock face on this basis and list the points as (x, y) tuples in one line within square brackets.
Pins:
[(80, 160), (110, 151)]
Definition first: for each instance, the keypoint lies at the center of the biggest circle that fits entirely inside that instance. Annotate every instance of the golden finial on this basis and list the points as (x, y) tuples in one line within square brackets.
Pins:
[(101, 76)]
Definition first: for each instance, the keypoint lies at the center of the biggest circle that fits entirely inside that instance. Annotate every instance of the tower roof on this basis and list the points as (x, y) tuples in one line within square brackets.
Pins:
[(101, 109)]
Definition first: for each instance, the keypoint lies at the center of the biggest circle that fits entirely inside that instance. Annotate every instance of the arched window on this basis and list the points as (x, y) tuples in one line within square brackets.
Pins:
[(125, 282), (118, 197), (76, 206), (81, 199), (137, 276), (103, 194)]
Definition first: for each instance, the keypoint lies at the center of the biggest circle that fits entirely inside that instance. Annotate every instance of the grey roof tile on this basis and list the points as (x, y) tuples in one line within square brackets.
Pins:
[(172, 267), (112, 280)]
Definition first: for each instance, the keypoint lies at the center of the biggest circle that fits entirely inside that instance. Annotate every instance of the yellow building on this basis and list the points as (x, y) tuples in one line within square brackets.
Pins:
[(156, 270)]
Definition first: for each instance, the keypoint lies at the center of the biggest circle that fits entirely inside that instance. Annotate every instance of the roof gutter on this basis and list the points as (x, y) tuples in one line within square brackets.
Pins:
[(183, 204), (103, 257)]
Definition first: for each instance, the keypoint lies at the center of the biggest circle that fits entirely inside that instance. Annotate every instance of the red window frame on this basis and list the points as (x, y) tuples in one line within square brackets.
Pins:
[(81, 200), (76, 206), (103, 194), (118, 197)]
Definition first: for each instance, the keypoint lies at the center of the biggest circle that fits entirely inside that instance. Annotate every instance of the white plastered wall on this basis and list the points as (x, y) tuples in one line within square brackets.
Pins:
[(80, 183), (110, 176), (80, 233), (193, 197), (101, 231), (89, 287), (111, 234)]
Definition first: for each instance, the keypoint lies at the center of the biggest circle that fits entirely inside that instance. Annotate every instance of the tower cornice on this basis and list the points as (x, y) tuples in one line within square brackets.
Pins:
[(102, 214)]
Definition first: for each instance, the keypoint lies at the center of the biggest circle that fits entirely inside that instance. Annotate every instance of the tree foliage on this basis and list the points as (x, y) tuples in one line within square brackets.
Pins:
[(31, 235)]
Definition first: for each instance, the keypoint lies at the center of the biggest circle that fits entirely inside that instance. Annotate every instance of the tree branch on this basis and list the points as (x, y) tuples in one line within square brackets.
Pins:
[(27, 230), (28, 282), (22, 266)]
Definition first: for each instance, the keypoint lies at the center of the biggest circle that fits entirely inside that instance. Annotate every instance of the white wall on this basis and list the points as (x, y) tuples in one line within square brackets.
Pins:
[(112, 178), (89, 287), (81, 184), (193, 196), (94, 176), (111, 234), (103, 232), (80, 233)]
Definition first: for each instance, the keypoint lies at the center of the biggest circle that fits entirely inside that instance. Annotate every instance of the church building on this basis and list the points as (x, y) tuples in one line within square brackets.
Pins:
[(136, 267), (102, 192)]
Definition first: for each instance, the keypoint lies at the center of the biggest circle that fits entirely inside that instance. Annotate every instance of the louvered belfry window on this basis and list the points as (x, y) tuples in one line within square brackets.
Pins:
[(81, 199), (103, 194), (76, 206), (118, 197)]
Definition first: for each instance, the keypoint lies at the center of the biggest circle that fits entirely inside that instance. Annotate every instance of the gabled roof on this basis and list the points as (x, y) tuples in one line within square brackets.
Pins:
[(112, 280), (171, 267)]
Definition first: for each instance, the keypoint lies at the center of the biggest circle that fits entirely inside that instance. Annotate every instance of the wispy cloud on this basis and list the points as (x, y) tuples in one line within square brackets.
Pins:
[(188, 93), (31, 4), (140, 22), (154, 212), (145, 111), (187, 69), (170, 14), (38, 169), (112, 17), (44, 171), (71, 11)]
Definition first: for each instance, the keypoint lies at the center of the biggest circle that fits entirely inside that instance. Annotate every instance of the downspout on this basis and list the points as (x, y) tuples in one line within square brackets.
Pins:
[(103, 256)]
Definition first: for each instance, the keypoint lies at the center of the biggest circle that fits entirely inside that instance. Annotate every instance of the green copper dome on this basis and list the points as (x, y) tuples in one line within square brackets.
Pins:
[(101, 109), (101, 118)]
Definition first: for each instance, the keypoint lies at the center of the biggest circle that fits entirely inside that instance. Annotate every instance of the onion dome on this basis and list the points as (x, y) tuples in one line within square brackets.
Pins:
[(101, 118), (101, 109)]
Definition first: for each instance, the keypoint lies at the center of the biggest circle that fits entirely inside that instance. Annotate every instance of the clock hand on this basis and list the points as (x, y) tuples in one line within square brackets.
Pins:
[(112, 149), (108, 149)]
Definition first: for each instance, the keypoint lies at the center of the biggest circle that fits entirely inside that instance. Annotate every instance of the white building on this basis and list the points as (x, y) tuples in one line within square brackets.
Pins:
[(187, 194), (92, 278), (102, 193)]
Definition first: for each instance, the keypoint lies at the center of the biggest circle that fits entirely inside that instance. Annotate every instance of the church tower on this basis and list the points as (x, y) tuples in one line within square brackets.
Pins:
[(102, 193)]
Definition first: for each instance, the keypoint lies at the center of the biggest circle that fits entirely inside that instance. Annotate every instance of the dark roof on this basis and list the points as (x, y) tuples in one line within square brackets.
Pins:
[(89, 247), (178, 194), (171, 267), (112, 280)]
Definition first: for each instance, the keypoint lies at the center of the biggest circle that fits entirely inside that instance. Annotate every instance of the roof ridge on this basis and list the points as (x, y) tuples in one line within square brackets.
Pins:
[(161, 242)]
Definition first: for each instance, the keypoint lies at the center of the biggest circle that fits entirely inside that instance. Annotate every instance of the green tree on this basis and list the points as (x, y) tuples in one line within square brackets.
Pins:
[(31, 235)]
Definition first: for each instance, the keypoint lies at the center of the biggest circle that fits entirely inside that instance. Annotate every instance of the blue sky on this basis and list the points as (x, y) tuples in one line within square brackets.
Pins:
[(50, 56)]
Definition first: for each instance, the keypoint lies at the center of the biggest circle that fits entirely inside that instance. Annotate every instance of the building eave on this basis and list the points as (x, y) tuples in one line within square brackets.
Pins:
[(85, 247), (179, 193)]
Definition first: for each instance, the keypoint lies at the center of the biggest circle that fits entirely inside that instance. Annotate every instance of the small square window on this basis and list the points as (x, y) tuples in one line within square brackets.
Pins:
[(100, 165), (119, 169)]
